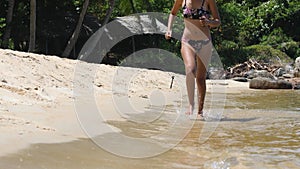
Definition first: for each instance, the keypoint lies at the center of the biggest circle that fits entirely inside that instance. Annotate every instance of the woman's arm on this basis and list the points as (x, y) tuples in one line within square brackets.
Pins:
[(216, 21), (177, 5)]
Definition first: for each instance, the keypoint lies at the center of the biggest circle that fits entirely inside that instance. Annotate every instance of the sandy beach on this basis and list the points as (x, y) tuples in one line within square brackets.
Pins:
[(51, 107), (37, 96)]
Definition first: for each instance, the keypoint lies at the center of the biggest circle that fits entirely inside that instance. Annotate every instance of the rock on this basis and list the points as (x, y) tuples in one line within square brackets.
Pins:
[(4, 81), (297, 63), (267, 83), (296, 86), (240, 79), (263, 73), (288, 68), (295, 82), (216, 73), (288, 76), (279, 72), (250, 74), (297, 67), (297, 74)]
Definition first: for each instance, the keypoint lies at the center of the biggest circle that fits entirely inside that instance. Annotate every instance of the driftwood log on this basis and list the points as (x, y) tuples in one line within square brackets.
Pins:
[(241, 70)]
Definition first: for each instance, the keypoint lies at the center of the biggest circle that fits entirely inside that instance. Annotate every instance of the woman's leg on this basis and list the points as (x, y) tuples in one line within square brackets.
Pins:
[(203, 59), (201, 84), (188, 56)]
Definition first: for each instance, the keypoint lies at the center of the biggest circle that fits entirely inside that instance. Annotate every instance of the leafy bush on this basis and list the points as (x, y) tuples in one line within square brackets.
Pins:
[(2, 25), (265, 53), (292, 49), (232, 14), (276, 37), (279, 40)]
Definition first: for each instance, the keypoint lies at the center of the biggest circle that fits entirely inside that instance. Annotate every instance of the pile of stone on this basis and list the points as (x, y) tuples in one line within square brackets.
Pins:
[(267, 76)]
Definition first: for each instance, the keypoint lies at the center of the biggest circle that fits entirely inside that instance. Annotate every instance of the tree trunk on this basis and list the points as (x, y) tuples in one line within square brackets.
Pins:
[(9, 16), (32, 26), (132, 6), (74, 37), (109, 11)]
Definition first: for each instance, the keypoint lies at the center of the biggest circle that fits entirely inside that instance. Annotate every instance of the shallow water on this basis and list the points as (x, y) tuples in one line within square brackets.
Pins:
[(258, 129)]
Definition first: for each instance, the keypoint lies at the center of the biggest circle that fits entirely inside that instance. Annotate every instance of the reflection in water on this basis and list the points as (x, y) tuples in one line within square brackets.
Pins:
[(258, 130)]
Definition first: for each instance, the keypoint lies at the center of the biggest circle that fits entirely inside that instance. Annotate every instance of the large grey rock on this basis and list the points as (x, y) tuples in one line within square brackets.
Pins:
[(216, 73), (259, 74), (267, 83)]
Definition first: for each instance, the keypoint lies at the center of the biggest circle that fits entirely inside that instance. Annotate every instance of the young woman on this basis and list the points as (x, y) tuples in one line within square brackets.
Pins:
[(196, 47)]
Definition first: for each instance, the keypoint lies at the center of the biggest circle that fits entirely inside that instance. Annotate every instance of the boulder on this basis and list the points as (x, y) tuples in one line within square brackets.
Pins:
[(279, 72), (267, 83), (297, 67), (295, 82), (216, 73), (259, 73)]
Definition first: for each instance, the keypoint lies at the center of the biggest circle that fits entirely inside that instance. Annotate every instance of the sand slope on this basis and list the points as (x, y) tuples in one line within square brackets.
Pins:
[(37, 95)]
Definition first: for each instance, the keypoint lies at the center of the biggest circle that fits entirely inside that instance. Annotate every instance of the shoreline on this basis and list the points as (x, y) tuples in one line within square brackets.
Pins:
[(37, 97)]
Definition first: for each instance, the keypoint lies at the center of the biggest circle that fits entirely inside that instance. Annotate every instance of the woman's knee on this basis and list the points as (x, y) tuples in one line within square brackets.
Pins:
[(190, 69)]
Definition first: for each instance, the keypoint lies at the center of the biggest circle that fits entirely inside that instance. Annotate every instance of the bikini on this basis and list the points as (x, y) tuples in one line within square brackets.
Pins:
[(195, 14)]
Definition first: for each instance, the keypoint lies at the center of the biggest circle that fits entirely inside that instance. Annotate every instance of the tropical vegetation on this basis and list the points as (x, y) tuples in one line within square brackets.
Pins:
[(61, 27)]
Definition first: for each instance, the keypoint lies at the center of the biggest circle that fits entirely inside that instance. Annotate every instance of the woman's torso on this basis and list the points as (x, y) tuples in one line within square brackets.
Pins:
[(193, 28)]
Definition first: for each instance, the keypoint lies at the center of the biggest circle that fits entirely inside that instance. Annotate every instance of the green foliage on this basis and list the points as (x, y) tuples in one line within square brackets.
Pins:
[(263, 53), (124, 7), (276, 37), (292, 49), (264, 18), (231, 53), (270, 23), (279, 40), (2, 19), (98, 8), (266, 53), (2, 25), (232, 14), (245, 24)]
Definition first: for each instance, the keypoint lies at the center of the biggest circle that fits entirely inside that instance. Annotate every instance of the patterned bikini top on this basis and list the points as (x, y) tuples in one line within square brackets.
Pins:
[(194, 13)]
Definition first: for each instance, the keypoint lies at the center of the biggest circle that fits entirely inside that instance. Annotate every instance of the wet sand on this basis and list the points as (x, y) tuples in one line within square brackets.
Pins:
[(243, 139)]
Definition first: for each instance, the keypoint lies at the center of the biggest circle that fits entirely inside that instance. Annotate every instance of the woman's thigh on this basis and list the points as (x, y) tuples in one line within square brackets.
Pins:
[(203, 60), (188, 56), (201, 69)]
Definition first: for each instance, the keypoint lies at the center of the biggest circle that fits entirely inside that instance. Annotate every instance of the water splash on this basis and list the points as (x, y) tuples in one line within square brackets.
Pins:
[(222, 164), (212, 116)]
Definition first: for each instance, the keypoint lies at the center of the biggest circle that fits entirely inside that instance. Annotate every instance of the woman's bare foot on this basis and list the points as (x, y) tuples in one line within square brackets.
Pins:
[(200, 113), (190, 110), (200, 109)]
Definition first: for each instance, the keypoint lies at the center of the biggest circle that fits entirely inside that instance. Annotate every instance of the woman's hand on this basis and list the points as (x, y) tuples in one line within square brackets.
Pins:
[(204, 21), (168, 35)]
